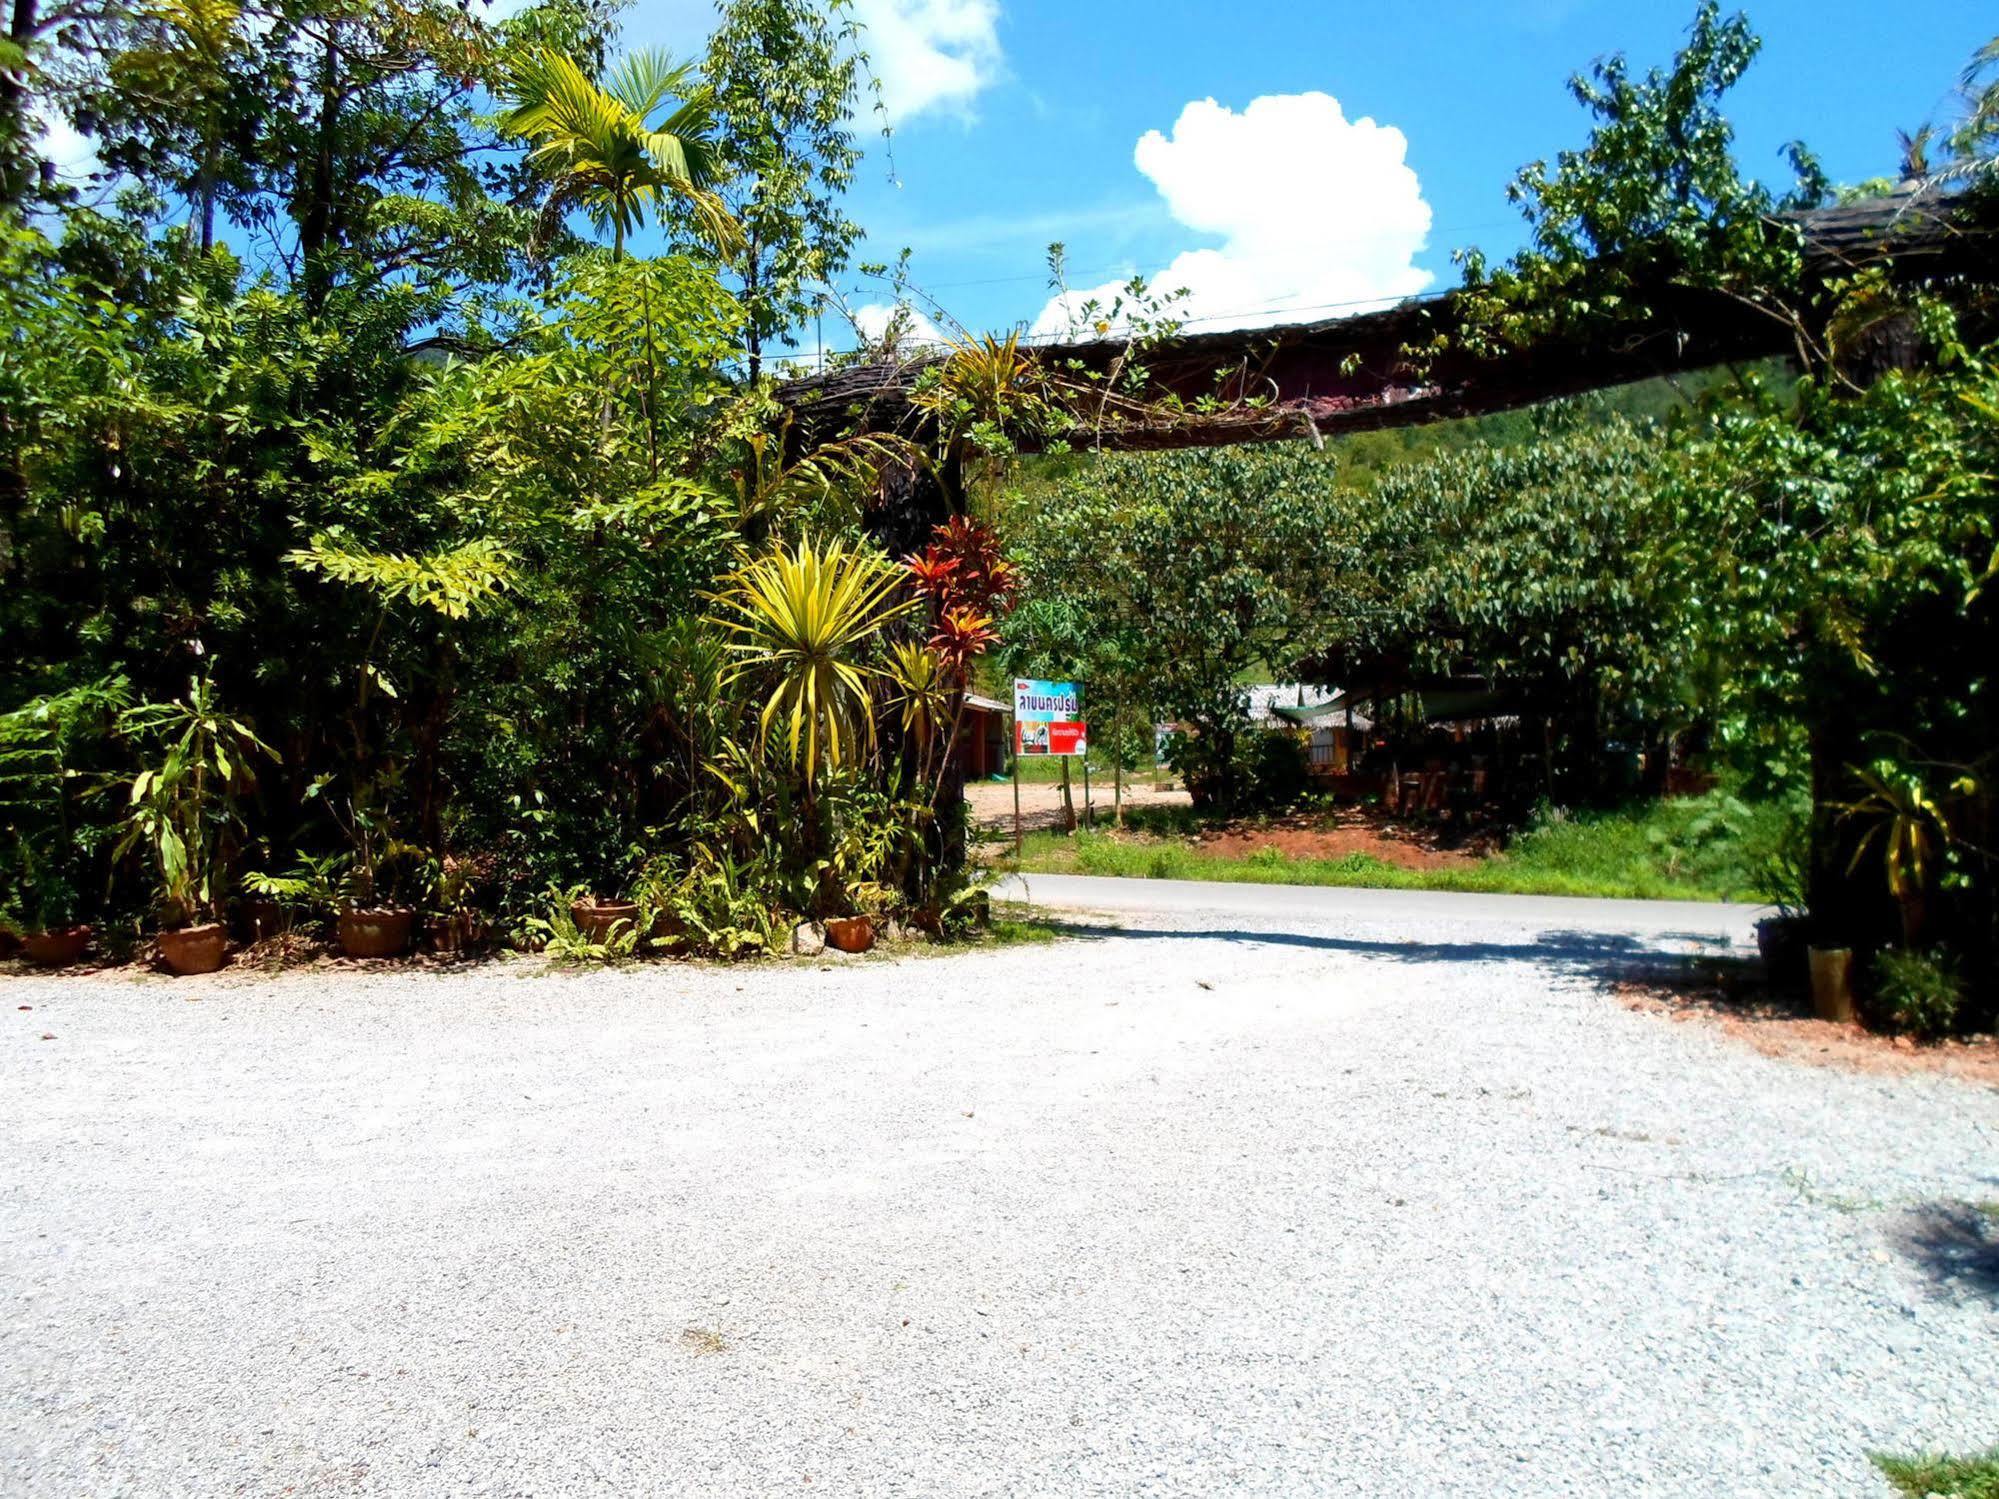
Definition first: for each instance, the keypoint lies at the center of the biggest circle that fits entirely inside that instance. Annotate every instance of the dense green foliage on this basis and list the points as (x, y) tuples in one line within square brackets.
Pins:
[(1164, 582), (465, 530)]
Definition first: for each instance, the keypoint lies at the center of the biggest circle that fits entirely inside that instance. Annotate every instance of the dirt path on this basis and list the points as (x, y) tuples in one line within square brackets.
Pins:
[(1041, 803)]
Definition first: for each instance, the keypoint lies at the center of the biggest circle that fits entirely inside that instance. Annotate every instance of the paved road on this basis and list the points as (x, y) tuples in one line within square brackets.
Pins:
[(1665, 926), (1351, 1206)]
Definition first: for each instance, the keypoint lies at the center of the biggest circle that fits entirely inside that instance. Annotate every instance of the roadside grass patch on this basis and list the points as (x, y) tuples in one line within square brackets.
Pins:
[(1715, 847), (1016, 925), (1943, 1477)]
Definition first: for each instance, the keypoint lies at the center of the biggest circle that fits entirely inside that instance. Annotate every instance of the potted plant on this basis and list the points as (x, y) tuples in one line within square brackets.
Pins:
[(855, 934), (597, 919), (183, 813), (452, 923), (372, 919), (43, 913), (49, 842), (273, 904)]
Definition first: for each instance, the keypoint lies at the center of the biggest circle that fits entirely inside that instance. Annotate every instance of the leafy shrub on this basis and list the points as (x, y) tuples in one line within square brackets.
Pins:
[(1276, 770), (560, 937), (1916, 993)]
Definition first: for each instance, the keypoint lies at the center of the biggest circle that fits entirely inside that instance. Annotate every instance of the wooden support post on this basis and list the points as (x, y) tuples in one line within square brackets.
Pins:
[(1019, 847)]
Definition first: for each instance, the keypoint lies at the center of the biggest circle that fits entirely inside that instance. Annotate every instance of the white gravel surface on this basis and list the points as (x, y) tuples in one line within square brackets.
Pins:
[(1351, 1210)]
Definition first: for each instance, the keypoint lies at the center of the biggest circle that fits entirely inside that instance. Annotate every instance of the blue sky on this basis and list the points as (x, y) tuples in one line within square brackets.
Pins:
[(1019, 121)]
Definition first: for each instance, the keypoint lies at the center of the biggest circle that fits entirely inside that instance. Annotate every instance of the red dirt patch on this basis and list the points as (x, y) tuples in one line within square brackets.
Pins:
[(1340, 835), (1780, 1028)]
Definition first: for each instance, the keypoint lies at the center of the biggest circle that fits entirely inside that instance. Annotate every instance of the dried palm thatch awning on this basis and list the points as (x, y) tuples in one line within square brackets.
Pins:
[(1355, 373)]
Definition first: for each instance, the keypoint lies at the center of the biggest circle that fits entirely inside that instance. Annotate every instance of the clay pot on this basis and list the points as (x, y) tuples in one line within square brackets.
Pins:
[(460, 932), (851, 933), (10, 942), (1832, 984), (376, 934), (57, 949), (194, 949), (595, 918)]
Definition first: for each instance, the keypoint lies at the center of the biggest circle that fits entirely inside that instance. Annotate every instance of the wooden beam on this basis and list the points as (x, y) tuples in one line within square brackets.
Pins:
[(1354, 374)]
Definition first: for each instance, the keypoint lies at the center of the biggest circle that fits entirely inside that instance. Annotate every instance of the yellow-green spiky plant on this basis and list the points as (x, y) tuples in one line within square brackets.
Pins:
[(803, 618)]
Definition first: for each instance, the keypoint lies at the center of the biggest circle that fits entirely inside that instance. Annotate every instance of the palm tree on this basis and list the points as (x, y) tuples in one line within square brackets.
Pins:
[(598, 142)]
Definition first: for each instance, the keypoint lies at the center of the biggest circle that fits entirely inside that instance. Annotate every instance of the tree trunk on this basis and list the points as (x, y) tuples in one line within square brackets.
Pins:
[(15, 176), (1848, 906), (315, 235)]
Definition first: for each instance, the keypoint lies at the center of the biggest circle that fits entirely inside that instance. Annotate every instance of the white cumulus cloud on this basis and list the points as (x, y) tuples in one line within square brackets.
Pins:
[(916, 331), (930, 54), (1318, 215)]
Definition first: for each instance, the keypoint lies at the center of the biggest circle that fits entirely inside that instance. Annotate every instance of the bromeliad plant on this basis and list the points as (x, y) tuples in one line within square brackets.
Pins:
[(183, 808)]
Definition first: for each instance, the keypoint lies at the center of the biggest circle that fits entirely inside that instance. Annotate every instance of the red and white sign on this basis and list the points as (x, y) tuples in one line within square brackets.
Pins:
[(1065, 739)]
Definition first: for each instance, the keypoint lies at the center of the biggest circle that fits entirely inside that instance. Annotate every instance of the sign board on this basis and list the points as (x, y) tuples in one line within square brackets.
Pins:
[(1048, 718)]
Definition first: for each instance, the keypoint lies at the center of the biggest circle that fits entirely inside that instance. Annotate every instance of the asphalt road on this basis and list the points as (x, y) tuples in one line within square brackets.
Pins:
[(1662, 926)]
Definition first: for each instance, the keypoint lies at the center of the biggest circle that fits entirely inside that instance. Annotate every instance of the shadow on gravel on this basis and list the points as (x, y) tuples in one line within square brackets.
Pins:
[(1954, 1244), (1590, 954)]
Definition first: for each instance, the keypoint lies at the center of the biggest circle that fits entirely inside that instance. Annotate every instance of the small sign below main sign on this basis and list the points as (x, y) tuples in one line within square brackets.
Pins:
[(1048, 718)]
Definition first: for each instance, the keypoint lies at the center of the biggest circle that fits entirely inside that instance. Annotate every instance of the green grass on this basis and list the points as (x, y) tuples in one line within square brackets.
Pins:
[(1716, 847), (1948, 1477), (1015, 925)]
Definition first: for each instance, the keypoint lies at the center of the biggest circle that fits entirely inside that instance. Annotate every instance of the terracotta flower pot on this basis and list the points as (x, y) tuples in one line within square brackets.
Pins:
[(851, 933), (376, 934), (595, 918), (194, 949), (461, 931), (56, 949)]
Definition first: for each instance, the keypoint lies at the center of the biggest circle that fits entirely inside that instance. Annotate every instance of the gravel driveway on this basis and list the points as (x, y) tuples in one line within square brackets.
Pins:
[(1193, 1209)]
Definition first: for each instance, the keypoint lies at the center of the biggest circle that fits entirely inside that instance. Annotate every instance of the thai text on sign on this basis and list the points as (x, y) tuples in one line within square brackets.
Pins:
[(1048, 718)]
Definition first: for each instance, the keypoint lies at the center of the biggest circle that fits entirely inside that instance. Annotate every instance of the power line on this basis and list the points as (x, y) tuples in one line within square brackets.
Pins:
[(1124, 268)]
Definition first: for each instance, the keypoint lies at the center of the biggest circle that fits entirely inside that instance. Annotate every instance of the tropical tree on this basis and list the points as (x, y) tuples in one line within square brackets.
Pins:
[(1178, 577), (784, 77), (602, 150), (185, 67), (1652, 204)]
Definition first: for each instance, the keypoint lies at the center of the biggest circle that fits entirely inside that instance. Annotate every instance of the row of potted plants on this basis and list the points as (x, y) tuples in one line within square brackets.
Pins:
[(710, 912)]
